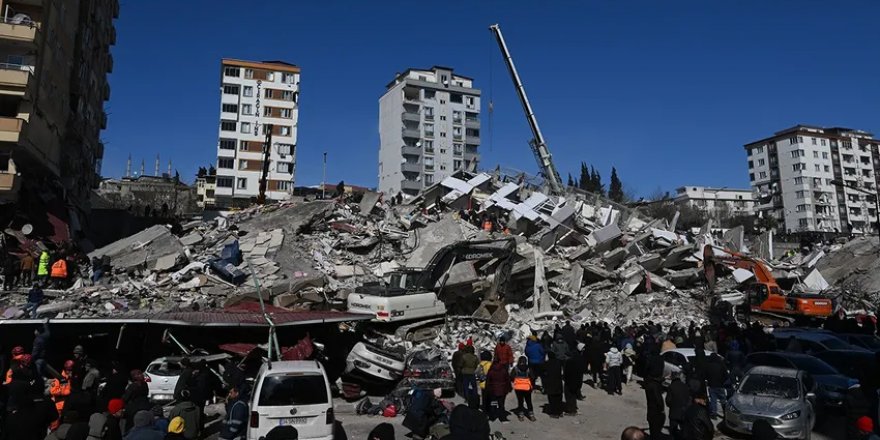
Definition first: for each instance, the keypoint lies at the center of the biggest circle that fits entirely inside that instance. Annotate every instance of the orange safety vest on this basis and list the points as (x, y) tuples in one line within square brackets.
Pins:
[(522, 384), (487, 226), (59, 269), (59, 392)]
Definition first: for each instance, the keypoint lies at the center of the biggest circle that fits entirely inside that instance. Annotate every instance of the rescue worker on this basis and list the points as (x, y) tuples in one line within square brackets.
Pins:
[(27, 269), (43, 266), (235, 423), (17, 355), (522, 387), (60, 389), (59, 273), (482, 371)]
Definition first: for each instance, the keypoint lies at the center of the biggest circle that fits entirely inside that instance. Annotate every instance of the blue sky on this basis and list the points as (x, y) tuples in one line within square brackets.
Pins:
[(666, 91)]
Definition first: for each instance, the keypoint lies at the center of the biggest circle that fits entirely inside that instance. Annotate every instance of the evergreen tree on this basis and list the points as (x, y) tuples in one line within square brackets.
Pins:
[(615, 188), (570, 181), (212, 171), (596, 185), (202, 172), (585, 182)]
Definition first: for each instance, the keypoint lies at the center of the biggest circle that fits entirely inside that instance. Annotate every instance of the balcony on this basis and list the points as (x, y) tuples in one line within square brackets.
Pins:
[(472, 123), (15, 75), (10, 129), (18, 31), (411, 184), (411, 133), (411, 167), (409, 116), (411, 151)]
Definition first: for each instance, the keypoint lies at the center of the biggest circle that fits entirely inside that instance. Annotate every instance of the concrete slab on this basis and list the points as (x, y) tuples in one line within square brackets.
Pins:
[(815, 281), (368, 202), (742, 275), (614, 258), (191, 239), (348, 270), (650, 262), (575, 278), (166, 262)]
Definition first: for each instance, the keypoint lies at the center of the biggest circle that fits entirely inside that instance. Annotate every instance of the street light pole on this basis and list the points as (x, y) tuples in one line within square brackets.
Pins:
[(324, 178)]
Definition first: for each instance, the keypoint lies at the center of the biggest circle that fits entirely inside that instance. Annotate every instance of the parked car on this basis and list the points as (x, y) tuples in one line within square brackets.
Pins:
[(811, 340), (292, 393), (162, 374), (854, 364), (376, 362), (831, 385), (428, 370), (782, 396), (868, 342), (678, 359)]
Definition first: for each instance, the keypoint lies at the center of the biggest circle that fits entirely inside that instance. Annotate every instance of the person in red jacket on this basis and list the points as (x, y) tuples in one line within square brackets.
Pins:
[(498, 386), (503, 353)]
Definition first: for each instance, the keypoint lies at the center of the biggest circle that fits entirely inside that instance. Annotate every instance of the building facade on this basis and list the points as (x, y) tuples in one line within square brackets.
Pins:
[(717, 203), (256, 98), (798, 174), (429, 127), (206, 188), (53, 85)]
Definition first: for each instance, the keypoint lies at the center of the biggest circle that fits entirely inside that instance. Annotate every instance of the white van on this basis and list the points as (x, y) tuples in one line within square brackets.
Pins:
[(294, 393)]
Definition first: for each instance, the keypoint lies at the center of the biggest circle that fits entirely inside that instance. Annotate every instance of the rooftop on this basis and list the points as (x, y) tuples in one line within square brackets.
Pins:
[(434, 68), (274, 64)]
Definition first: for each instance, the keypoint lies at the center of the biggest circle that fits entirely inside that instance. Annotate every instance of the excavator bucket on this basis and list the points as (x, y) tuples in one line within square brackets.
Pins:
[(492, 310)]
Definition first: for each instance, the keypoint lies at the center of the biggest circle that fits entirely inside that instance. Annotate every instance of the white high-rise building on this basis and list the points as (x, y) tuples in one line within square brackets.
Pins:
[(795, 174), (429, 127), (255, 96), (717, 203)]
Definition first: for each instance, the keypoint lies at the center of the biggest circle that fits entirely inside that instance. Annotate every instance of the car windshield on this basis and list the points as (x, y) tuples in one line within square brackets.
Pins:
[(765, 385), (164, 369), (293, 389), (812, 365), (834, 344), (869, 341)]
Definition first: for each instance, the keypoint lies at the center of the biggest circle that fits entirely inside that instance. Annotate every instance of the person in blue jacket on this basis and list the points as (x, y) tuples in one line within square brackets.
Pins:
[(535, 353)]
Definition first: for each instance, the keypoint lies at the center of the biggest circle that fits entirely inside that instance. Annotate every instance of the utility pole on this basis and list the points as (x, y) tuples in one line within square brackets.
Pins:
[(324, 178), (267, 148), (839, 182)]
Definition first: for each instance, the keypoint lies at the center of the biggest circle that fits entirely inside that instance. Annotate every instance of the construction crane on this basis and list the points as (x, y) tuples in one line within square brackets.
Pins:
[(539, 146)]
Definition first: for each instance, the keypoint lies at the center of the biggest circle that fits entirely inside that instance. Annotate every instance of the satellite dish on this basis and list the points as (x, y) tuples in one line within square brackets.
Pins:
[(27, 229)]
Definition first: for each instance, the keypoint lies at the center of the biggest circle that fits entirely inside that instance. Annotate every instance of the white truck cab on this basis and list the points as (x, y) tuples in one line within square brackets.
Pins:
[(292, 393)]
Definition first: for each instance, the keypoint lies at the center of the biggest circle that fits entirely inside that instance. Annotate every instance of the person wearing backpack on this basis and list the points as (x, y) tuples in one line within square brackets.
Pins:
[(522, 387), (482, 371)]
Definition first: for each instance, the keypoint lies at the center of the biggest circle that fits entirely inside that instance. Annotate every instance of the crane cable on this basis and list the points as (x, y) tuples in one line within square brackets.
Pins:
[(491, 106)]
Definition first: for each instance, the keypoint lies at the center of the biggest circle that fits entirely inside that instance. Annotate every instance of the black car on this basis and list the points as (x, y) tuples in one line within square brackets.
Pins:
[(831, 385), (852, 363), (868, 342)]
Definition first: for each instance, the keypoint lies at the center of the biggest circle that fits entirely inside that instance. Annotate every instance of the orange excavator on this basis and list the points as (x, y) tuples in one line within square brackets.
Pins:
[(764, 295)]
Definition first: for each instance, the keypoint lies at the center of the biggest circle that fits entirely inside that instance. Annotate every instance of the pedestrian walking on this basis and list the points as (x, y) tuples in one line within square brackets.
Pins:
[(522, 387), (678, 398), (469, 365), (629, 361), (536, 355), (716, 379), (654, 396), (482, 371), (697, 424), (456, 367), (553, 386), (572, 375), (498, 385), (613, 365)]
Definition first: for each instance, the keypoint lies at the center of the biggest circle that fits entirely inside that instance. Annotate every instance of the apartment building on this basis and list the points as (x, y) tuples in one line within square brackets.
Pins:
[(256, 98), (429, 127), (54, 61), (795, 174), (717, 203)]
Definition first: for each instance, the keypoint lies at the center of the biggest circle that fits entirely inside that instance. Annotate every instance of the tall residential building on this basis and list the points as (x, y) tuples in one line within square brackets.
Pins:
[(717, 203), (255, 96), (53, 85), (429, 127), (793, 174)]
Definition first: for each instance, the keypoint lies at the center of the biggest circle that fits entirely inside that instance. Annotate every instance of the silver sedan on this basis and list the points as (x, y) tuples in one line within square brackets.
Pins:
[(781, 396)]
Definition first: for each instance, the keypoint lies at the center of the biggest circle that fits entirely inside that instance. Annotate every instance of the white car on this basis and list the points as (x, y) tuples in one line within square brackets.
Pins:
[(677, 360), (162, 375), (375, 361), (292, 393)]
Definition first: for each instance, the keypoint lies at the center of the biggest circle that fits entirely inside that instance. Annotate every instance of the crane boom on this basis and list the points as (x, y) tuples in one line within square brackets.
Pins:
[(539, 146)]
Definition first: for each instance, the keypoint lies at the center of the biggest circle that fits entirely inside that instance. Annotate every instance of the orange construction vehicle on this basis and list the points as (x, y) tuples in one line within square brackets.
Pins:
[(764, 294)]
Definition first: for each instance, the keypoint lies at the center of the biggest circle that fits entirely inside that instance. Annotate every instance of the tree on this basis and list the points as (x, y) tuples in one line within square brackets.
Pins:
[(202, 172), (212, 171), (615, 188), (176, 176), (585, 183), (570, 181), (596, 179)]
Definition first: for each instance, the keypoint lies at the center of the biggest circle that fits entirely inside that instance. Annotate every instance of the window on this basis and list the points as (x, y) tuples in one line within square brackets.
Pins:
[(267, 111), (227, 144), (815, 155), (470, 101), (430, 94), (443, 134), (429, 163), (267, 93), (761, 162), (288, 95), (823, 142), (752, 177), (231, 71), (802, 222), (801, 208), (429, 179), (224, 182), (456, 164), (429, 130), (798, 166), (824, 154), (230, 89), (429, 146), (749, 152), (818, 167), (751, 165), (455, 97), (241, 183), (229, 108), (227, 125), (456, 133), (287, 78), (763, 175), (444, 79), (245, 127), (456, 116), (797, 153), (813, 140), (242, 164), (800, 139), (429, 113), (792, 140), (285, 167), (456, 149), (283, 185), (759, 150), (285, 131), (249, 73), (225, 162), (798, 180), (248, 91), (800, 194), (285, 149), (442, 118), (827, 169), (270, 76), (247, 109)]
